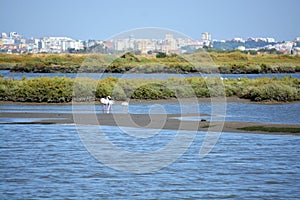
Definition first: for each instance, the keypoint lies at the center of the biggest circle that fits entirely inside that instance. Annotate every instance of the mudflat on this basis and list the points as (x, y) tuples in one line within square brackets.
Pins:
[(152, 121)]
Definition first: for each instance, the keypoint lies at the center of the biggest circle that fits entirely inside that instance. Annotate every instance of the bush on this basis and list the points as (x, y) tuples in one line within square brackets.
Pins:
[(161, 55), (56, 90), (271, 92), (152, 91), (37, 90), (105, 87)]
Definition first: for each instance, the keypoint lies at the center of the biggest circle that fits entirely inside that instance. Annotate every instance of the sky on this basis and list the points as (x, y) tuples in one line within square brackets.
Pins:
[(100, 20)]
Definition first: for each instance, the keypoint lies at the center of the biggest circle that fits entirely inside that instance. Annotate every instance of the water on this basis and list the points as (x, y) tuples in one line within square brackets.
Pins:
[(261, 113), (15, 75), (50, 161)]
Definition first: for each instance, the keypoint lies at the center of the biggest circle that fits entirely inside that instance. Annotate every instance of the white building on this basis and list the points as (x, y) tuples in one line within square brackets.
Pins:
[(206, 36), (145, 45), (3, 35), (169, 37), (241, 48), (8, 41), (14, 35), (58, 44), (270, 40), (239, 40), (124, 44)]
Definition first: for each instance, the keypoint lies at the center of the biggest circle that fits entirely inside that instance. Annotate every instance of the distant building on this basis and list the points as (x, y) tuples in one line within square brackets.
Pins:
[(238, 40), (206, 36), (58, 44), (169, 37), (14, 35), (3, 35), (8, 41), (241, 48), (295, 51), (270, 40), (170, 44)]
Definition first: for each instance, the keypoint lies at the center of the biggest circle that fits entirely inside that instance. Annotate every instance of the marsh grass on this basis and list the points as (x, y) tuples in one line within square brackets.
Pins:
[(234, 62), (271, 129)]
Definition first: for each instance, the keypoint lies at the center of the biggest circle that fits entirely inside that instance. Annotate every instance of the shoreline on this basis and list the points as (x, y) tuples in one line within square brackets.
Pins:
[(158, 72), (232, 99), (154, 121)]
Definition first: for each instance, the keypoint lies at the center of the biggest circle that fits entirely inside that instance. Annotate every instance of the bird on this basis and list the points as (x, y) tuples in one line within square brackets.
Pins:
[(106, 102), (125, 105)]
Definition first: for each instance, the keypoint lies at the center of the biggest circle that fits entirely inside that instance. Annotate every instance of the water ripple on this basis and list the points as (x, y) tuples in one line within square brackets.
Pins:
[(49, 161)]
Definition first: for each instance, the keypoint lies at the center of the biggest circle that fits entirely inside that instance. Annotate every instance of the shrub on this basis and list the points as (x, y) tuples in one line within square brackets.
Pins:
[(161, 55), (64, 89), (271, 92), (37, 90), (152, 91)]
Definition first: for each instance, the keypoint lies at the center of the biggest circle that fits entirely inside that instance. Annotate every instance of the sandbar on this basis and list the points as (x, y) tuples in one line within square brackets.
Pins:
[(153, 121)]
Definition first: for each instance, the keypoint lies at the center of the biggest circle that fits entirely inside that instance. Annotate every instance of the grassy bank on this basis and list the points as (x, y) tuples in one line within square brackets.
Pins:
[(234, 62), (271, 129), (59, 90)]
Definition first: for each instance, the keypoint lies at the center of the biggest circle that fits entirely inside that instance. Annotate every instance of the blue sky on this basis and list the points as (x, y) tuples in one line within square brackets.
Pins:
[(98, 19)]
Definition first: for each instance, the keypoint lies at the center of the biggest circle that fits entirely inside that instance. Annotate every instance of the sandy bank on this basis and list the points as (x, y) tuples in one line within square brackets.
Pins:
[(154, 121)]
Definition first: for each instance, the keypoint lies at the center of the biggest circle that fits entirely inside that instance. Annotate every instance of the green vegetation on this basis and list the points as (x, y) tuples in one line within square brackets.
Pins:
[(211, 62), (264, 89), (161, 55), (239, 63), (37, 90), (271, 129), (41, 62), (56, 90)]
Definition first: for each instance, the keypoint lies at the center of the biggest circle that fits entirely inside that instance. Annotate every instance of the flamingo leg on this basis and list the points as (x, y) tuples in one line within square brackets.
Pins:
[(108, 108)]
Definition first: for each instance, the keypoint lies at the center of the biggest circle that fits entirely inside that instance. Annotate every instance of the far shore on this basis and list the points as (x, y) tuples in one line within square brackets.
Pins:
[(232, 99), (153, 121)]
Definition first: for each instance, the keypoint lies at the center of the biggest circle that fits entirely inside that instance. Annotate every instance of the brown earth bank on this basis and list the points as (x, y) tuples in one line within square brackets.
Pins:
[(232, 99), (153, 121)]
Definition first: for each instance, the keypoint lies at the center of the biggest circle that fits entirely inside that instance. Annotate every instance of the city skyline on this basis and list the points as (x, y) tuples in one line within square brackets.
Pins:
[(152, 35), (172, 42), (100, 20)]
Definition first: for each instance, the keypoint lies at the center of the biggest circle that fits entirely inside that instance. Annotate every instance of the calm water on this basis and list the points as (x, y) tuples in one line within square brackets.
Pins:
[(8, 74), (50, 161)]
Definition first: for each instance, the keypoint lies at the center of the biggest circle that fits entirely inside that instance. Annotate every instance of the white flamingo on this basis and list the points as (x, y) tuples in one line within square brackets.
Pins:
[(106, 102)]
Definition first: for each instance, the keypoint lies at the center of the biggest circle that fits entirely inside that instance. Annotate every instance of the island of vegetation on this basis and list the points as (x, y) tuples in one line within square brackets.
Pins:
[(61, 90), (235, 62)]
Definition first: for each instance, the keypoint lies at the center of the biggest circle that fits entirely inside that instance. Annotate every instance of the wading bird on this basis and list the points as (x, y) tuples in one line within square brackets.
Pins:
[(106, 103)]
